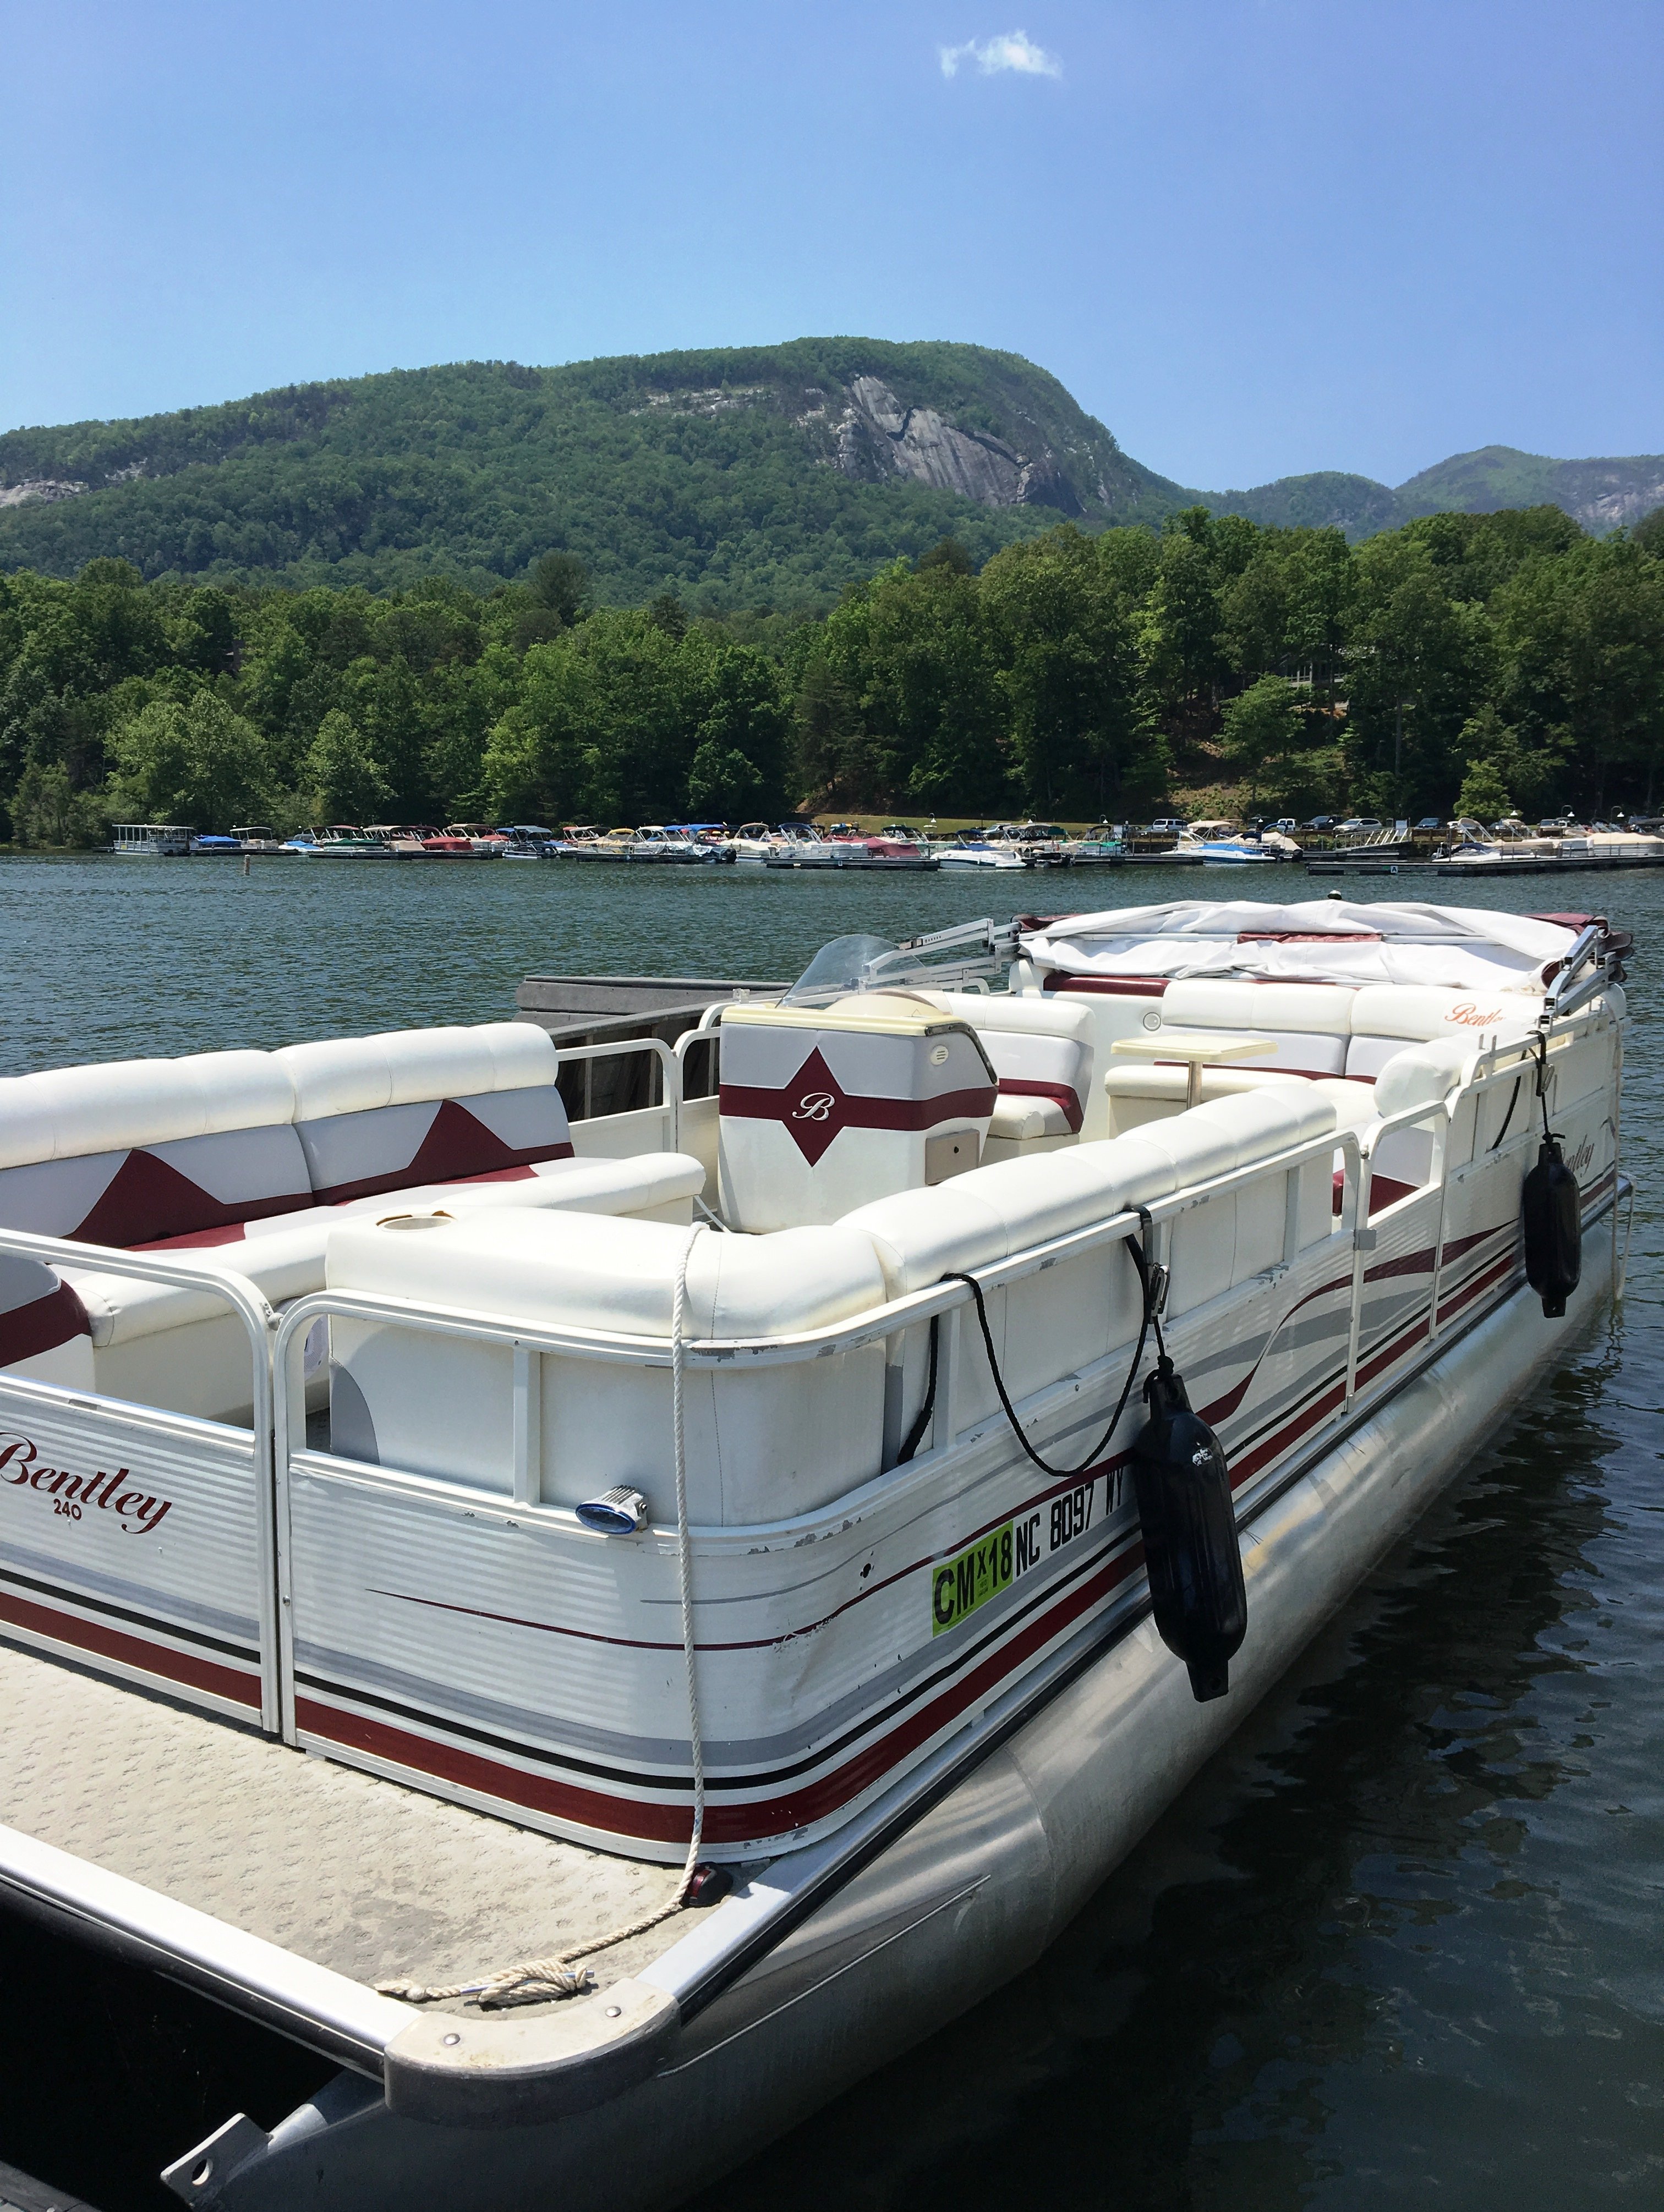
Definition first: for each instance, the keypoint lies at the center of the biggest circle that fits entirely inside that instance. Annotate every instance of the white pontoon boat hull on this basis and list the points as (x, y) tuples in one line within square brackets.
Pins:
[(977, 1889), (838, 1628)]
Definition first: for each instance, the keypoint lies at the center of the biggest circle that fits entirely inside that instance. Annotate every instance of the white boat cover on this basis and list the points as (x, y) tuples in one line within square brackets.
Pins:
[(1452, 947)]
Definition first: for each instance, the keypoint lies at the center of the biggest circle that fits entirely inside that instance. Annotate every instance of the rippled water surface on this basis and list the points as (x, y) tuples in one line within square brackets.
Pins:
[(1402, 1939)]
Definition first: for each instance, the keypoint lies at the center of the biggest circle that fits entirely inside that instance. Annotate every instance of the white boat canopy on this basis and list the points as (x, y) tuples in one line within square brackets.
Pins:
[(1332, 940)]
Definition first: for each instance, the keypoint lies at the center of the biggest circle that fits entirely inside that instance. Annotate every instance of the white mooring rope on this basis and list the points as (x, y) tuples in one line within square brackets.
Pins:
[(535, 1981)]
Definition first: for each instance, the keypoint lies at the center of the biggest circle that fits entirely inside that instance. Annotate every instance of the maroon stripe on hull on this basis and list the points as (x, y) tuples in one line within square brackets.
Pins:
[(816, 1800), (651, 1822), (136, 1651)]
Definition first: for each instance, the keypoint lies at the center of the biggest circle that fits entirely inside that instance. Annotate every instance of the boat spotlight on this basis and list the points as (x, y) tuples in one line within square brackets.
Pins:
[(619, 1511)]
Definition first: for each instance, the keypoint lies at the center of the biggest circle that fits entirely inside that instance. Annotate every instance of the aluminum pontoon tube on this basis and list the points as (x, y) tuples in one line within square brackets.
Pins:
[(980, 1887)]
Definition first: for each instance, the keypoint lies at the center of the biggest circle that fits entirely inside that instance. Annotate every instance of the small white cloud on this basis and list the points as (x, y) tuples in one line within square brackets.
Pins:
[(1012, 49)]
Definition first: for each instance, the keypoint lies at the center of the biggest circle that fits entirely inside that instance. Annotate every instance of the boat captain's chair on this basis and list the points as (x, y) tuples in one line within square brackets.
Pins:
[(1040, 1050), (820, 1112)]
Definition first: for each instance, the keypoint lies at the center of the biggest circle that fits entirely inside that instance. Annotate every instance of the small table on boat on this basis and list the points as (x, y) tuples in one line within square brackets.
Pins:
[(1194, 1047)]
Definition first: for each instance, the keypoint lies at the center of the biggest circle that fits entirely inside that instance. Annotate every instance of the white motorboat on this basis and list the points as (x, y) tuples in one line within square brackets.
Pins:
[(152, 841), (340, 841), (1220, 844), (583, 843), (655, 842), (754, 842), (746, 1566), (971, 851), (529, 840), (871, 854)]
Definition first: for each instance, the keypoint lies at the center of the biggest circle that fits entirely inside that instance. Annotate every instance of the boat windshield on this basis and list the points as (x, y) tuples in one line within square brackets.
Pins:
[(835, 970)]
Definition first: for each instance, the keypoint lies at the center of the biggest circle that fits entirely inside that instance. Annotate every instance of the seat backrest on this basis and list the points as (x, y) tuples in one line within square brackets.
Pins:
[(1388, 1017), (819, 1112), (382, 1113), (1309, 1023), (39, 1312), (762, 1442), (140, 1151), (1068, 1316), (1038, 1047), (1114, 1006), (1053, 1323)]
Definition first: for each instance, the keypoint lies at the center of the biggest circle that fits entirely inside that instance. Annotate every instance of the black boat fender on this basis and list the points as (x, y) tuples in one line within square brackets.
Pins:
[(1190, 1549), (1552, 1210), (1552, 1213)]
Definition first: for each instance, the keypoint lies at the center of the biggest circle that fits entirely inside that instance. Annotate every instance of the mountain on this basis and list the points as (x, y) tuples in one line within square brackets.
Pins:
[(1601, 495), (757, 475)]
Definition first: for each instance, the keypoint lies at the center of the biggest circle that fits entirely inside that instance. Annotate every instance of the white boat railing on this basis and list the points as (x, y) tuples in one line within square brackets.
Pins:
[(260, 1320), (668, 1104), (878, 1324), (275, 1434)]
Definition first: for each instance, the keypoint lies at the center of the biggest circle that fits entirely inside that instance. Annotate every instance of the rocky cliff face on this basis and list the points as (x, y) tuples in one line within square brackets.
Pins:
[(872, 437), (39, 488)]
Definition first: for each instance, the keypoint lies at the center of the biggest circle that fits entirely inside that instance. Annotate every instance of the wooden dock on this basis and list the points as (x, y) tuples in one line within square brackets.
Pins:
[(1478, 871)]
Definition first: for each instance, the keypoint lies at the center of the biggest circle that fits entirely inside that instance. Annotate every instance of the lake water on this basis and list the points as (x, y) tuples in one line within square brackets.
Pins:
[(1402, 1941)]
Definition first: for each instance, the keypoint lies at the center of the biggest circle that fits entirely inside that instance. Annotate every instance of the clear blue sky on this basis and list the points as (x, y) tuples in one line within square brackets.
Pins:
[(1254, 236)]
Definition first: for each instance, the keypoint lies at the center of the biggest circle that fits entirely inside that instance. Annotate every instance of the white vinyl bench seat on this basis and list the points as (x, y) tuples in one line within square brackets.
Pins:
[(242, 1162)]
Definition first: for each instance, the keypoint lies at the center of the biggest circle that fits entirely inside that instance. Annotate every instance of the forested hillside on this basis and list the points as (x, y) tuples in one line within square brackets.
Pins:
[(760, 477), (1485, 661), (770, 475), (1601, 495)]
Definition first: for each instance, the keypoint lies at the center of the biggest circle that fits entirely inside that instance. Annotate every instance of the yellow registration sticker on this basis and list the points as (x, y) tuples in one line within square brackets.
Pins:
[(959, 1586)]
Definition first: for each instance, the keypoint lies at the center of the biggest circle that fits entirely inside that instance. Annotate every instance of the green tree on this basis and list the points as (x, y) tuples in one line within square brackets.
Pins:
[(722, 784), (744, 714), (913, 658), (559, 583), (1264, 741), (192, 761), (1484, 797), (343, 780), (46, 809), (1067, 639), (1419, 664), (1581, 641)]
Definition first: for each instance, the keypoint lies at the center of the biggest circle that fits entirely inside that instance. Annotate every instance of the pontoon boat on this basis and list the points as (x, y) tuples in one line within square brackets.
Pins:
[(748, 1566)]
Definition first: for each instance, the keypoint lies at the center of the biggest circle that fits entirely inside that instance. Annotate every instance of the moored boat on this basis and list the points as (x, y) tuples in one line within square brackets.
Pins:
[(340, 841), (151, 840), (760, 1482), (754, 842), (973, 850), (1223, 844), (879, 854), (529, 840), (1102, 847)]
